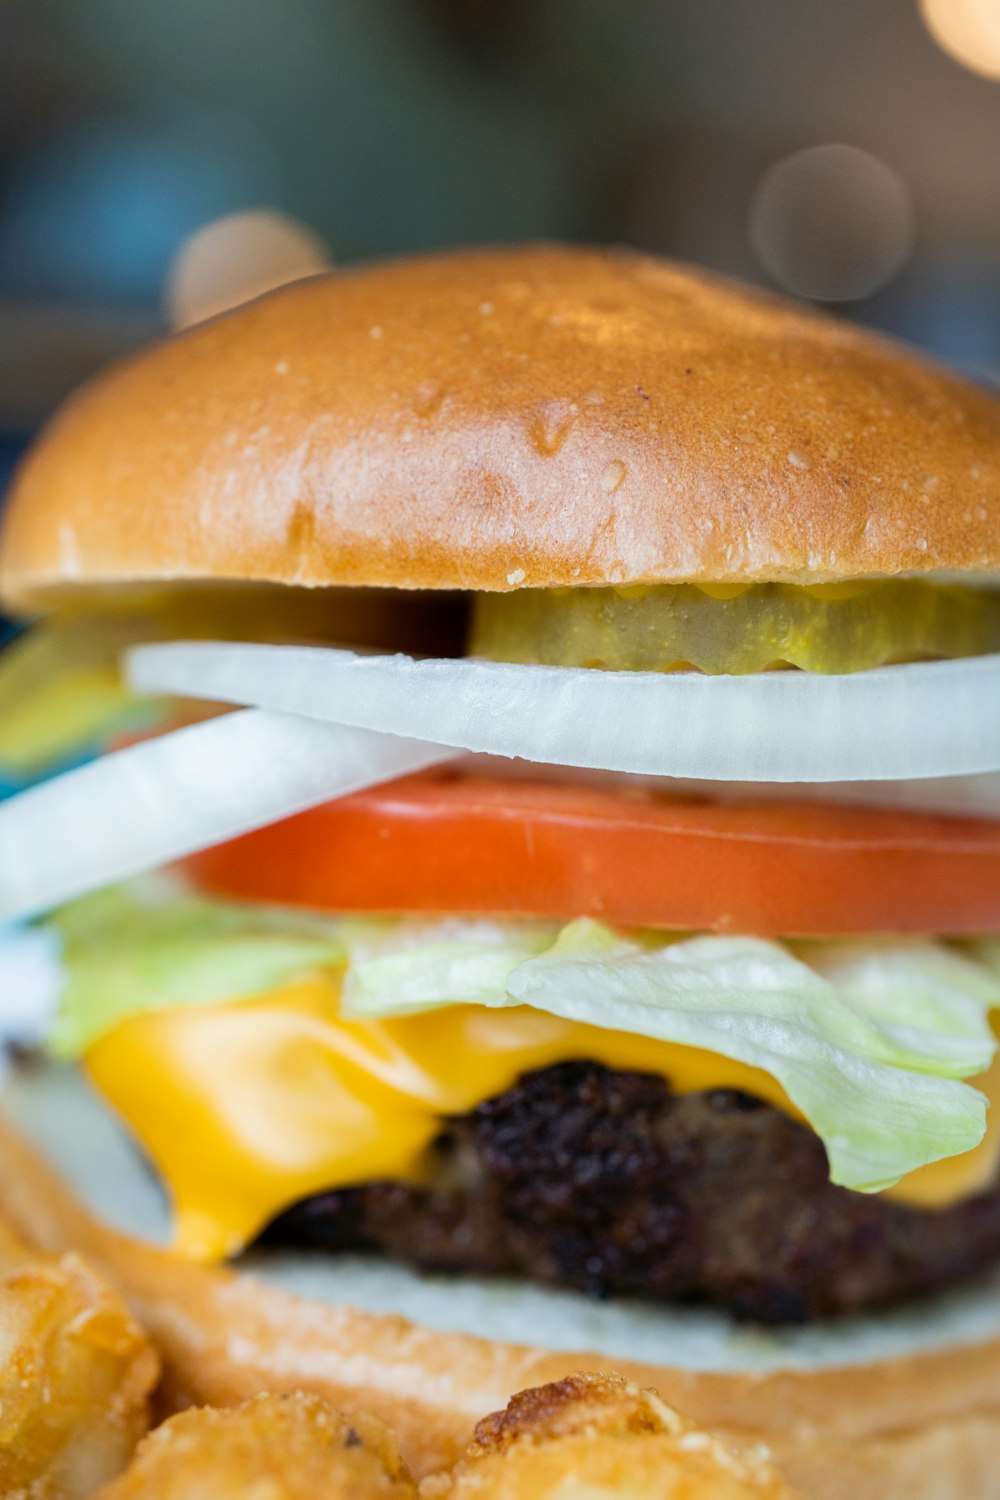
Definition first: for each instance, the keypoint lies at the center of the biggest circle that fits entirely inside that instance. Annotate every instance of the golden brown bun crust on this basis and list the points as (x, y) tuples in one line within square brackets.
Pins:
[(492, 419), (927, 1425)]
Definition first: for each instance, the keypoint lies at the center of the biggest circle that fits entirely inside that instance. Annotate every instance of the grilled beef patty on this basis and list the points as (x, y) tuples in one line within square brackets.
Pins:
[(606, 1181)]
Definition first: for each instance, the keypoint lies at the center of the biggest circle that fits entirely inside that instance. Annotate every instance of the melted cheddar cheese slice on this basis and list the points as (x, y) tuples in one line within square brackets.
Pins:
[(246, 1107)]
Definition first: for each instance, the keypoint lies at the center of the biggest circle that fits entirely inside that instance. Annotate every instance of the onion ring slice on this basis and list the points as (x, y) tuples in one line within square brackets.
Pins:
[(897, 723), (156, 801)]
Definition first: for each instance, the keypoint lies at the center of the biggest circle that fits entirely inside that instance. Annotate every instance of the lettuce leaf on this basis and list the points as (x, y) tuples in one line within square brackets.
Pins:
[(464, 964), (753, 1001), (868, 1040), (122, 955), (931, 1002)]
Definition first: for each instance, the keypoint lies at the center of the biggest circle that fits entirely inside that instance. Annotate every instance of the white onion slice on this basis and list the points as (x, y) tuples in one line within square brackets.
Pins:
[(894, 723), (168, 797)]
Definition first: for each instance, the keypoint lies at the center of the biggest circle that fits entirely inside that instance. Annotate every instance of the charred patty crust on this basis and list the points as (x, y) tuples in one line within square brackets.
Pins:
[(605, 1181)]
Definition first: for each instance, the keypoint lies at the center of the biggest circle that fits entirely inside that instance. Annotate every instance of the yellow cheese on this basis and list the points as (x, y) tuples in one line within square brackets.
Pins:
[(246, 1107)]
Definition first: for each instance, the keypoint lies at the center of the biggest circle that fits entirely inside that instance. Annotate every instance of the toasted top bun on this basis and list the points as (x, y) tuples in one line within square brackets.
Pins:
[(507, 418)]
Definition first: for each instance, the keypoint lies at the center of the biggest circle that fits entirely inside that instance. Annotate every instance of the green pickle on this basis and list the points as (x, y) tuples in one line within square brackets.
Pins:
[(840, 627)]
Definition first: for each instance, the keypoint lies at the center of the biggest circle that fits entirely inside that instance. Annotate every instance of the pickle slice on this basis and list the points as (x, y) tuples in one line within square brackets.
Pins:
[(61, 690), (843, 627)]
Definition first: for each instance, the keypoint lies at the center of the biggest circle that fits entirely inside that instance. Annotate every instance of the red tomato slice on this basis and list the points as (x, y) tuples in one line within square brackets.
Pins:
[(449, 841)]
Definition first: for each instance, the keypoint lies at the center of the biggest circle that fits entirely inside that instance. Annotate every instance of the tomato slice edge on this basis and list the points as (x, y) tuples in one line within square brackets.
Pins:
[(456, 843)]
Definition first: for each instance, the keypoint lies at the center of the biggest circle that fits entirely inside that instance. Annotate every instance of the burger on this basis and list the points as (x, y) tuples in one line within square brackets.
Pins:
[(523, 873)]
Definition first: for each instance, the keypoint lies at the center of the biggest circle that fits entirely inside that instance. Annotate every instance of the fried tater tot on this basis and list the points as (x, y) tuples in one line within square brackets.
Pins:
[(75, 1375), (272, 1448), (13, 1250), (596, 1437)]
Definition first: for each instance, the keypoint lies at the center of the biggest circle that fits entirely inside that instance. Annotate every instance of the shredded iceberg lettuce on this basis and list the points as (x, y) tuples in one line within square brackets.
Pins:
[(880, 1112), (467, 964), (122, 955), (869, 1040), (931, 1002)]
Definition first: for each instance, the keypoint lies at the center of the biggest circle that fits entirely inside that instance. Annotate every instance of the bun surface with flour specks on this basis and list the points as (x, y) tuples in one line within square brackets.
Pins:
[(514, 417)]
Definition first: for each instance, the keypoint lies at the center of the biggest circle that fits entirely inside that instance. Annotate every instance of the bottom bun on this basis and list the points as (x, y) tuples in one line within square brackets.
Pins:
[(924, 1425)]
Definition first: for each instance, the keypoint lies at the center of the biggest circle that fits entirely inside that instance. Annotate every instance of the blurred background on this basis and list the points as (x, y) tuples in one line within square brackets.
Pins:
[(159, 158)]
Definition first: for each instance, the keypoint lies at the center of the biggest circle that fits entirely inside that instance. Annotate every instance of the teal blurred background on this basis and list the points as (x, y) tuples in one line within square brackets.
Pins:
[(386, 126), (831, 148)]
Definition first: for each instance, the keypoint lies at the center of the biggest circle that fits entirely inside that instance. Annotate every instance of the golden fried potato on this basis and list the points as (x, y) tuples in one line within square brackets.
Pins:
[(75, 1377), (13, 1251), (272, 1448), (596, 1437)]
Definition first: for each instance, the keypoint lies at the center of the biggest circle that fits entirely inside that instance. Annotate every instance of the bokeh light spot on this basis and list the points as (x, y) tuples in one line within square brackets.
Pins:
[(238, 257), (969, 30), (832, 223)]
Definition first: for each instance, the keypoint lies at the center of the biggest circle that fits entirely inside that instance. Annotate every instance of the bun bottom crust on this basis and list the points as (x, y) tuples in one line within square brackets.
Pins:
[(926, 1425)]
